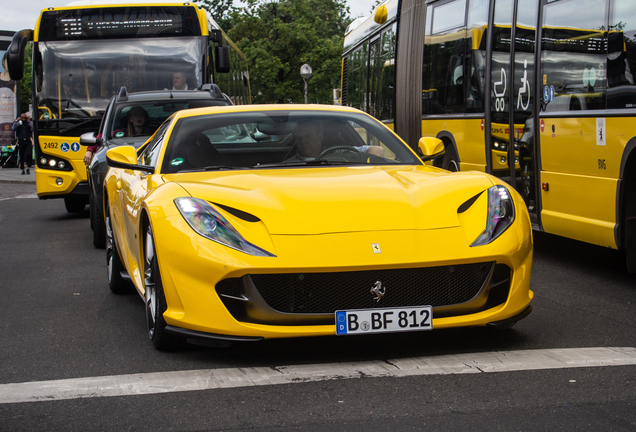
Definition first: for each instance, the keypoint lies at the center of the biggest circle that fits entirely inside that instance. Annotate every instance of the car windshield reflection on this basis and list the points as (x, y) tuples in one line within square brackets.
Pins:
[(281, 139)]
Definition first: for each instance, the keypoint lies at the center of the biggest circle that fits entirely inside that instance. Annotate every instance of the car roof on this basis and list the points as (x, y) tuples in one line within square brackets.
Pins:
[(177, 95), (269, 107)]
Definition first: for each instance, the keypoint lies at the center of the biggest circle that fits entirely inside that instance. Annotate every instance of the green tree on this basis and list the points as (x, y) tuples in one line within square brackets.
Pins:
[(26, 85), (220, 10), (375, 5), (278, 37)]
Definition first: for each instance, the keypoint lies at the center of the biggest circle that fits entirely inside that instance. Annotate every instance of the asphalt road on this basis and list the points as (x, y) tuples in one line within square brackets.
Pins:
[(59, 321)]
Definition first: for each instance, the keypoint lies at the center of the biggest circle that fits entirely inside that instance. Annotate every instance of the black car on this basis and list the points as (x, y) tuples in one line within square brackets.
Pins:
[(130, 119)]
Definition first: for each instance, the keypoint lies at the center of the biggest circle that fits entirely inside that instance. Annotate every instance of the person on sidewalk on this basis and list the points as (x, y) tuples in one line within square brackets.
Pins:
[(23, 129)]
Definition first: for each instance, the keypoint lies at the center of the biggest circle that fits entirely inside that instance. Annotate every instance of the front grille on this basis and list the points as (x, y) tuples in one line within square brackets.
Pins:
[(316, 293)]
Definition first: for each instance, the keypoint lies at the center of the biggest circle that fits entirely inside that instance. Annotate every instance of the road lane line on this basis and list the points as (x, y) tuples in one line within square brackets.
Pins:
[(20, 197), (207, 379)]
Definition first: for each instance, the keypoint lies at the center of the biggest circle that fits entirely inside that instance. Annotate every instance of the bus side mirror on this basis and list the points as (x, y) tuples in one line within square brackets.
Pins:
[(430, 148), (216, 36), (15, 53), (222, 58)]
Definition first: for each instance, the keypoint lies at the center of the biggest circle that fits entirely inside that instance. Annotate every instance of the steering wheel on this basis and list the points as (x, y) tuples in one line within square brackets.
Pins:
[(348, 150)]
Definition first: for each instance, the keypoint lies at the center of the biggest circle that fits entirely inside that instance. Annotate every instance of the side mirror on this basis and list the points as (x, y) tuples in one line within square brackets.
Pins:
[(125, 157), (90, 139), (15, 53), (430, 148), (222, 59), (216, 36), (381, 14)]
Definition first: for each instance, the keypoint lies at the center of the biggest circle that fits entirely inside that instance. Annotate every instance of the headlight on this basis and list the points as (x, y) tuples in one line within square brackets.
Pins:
[(501, 214), (54, 163), (500, 145), (209, 223)]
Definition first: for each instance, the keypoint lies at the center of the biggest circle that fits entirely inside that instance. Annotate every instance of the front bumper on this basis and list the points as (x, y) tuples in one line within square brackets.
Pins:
[(69, 183), (193, 267)]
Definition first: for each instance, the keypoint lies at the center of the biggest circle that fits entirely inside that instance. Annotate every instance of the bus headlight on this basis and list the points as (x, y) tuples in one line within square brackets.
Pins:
[(501, 214), (54, 163)]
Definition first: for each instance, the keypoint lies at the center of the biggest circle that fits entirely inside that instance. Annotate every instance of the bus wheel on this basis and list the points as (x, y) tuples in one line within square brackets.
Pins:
[(74, 203), (527, 190), (116, 282), (450, 161), (155, 300), (98, 225)]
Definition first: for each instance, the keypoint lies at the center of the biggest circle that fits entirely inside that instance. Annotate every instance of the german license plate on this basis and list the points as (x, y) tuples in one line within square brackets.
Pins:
[(361, 321)]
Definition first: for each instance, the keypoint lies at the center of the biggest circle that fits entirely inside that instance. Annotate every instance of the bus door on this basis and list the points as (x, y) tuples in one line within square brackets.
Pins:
[(512, 102)]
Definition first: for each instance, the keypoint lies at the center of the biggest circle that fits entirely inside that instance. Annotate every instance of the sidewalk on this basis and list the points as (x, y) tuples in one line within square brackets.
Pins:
[(12, 175)]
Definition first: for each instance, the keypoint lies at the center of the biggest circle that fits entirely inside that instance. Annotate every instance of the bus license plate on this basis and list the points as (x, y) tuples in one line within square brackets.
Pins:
[(360, 321)]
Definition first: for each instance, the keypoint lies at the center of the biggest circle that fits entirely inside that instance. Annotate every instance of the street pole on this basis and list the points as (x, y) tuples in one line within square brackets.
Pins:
[(305, 73)]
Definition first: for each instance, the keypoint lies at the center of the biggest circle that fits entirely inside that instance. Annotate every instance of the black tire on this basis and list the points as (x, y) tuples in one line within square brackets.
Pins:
[(155, 300), (98, 225), (91, 207), (527, 187), (114, 266), (450, 161), (74, 203)]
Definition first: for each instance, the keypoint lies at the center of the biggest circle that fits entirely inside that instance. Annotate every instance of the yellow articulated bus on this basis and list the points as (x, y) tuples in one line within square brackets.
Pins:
[(540, 93), (84, 53)]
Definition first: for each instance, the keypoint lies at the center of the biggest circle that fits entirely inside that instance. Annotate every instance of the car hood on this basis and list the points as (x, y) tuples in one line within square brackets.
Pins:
[(313, 201)]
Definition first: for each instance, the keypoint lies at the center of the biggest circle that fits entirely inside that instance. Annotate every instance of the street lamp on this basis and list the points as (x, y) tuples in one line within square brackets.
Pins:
[(305, 72)]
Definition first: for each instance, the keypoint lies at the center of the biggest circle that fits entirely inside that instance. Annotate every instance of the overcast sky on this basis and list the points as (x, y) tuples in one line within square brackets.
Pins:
[(21, 14)]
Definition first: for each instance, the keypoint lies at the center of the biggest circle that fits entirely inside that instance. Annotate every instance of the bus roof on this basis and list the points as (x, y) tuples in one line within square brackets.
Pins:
[(362, 27), (122, 2)]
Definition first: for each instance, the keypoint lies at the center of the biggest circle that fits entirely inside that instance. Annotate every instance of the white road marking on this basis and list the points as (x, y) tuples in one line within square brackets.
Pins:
[(20, 196), (167, 382)]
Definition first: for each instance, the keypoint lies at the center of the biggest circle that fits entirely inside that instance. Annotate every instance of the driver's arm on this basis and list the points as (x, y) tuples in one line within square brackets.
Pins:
[(376, 150)]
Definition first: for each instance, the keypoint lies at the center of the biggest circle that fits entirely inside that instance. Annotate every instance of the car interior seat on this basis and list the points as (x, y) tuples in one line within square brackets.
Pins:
[(198, 152)]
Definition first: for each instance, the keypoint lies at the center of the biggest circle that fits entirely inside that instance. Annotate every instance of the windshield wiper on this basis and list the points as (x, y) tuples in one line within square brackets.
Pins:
[(214, 168), (316, 162)]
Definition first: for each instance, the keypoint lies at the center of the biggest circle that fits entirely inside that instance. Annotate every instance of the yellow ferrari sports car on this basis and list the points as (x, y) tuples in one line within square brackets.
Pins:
[(243, 223)]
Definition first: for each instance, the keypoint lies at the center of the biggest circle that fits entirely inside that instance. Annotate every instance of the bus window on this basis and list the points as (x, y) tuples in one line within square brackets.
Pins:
[(357, 78), (621, 58), (574, 51), (387, 75), (446, 55), (447, 16), (372, 85), (477, 21)]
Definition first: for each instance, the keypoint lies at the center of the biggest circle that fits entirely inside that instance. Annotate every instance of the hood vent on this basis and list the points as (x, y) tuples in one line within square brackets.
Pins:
[(238, 213)]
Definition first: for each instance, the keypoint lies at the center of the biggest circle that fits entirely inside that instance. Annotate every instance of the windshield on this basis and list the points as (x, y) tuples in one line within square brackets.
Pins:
[(76, 79), (141, 119), (281, 139)]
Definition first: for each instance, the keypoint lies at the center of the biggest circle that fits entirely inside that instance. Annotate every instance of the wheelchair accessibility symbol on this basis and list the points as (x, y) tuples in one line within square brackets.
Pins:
[(525, 90), (65, 147)]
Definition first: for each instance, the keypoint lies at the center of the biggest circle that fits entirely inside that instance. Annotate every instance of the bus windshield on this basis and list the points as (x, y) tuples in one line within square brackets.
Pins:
[(76, 79)]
